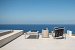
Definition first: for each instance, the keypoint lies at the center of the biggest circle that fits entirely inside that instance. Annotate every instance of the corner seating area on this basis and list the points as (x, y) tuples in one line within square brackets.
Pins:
[(57, 33)]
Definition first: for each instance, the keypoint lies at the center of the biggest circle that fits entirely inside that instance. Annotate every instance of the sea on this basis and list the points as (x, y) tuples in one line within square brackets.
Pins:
[(39, 27)]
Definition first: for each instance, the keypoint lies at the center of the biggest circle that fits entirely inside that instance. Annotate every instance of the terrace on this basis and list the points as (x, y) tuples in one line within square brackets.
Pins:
[(50, 43)]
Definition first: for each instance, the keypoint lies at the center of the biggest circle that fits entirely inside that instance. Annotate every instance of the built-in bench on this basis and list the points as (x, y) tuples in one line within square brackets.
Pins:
[(5, 32), (9, 37)]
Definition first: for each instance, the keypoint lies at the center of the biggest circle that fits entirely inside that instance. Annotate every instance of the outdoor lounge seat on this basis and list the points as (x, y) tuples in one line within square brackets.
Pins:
[(61, 31), (33, 32), (58, 31)]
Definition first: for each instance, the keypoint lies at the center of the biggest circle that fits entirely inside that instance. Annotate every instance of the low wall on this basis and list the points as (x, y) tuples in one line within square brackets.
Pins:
[(7, 38), (69, 32)]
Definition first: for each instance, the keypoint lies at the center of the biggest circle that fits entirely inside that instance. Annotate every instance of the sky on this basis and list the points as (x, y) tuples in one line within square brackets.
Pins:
[(37, 11)]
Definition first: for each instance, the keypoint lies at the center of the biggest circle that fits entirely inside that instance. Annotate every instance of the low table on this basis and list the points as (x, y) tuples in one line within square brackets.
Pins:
[(45, 33)]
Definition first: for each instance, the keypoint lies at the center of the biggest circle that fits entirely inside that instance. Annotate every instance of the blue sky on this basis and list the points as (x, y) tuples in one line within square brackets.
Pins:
[(37, 11)]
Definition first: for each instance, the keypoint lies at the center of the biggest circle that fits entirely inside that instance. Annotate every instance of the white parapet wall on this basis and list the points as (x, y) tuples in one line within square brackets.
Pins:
[(69, 32), (9, 37)]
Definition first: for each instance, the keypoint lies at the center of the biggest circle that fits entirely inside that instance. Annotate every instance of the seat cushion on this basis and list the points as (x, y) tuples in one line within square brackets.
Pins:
[(33, 30)]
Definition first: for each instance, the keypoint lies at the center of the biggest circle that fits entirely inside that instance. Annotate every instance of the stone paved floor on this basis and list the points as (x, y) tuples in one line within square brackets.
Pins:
[(40, 44)]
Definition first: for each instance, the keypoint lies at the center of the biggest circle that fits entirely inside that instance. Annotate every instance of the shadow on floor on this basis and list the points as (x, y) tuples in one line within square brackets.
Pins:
[(60, 38), (10, 41), (32, 37)]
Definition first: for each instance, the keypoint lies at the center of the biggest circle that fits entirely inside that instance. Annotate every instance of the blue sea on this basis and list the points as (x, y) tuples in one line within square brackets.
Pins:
[(39, 27)]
